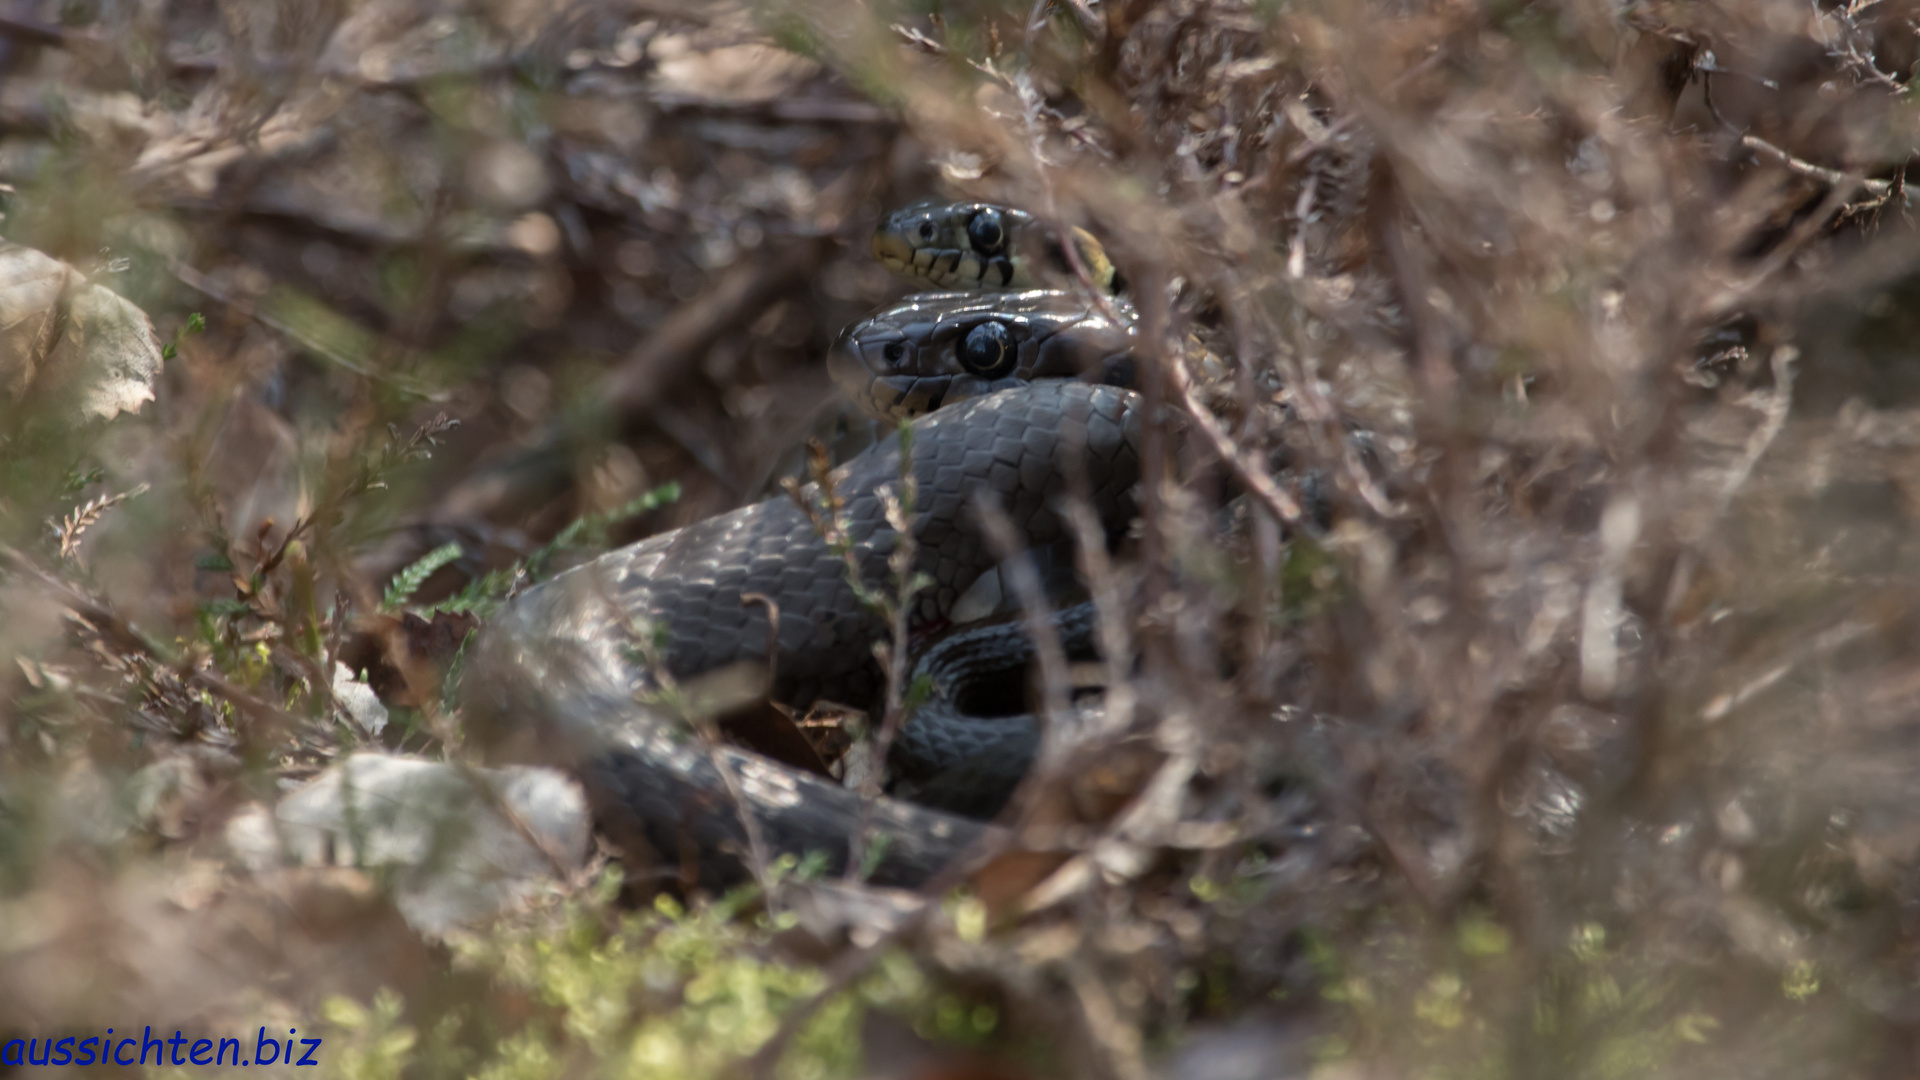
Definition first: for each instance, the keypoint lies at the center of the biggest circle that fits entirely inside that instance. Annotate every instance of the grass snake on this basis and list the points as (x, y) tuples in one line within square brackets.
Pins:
[(564, 674)]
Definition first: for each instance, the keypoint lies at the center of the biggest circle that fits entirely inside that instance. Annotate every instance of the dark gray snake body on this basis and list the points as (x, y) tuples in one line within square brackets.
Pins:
[(561, 674), (971, 742), (557, 672)]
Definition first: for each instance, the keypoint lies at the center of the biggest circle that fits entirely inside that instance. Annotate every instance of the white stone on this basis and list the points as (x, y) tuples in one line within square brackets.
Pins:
[(452, 857)]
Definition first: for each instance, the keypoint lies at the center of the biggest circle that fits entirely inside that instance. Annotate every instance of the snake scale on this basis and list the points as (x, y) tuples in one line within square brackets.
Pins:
[(557, 677)]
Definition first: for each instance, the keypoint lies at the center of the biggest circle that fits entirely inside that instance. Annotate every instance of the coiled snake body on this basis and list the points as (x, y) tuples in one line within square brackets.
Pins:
[(557, 673)]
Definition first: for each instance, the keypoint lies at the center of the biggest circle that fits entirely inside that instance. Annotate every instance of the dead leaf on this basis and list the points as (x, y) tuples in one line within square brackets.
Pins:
[(406, 658), (115, 350), (736, 73), (58, 331), (31, 284)]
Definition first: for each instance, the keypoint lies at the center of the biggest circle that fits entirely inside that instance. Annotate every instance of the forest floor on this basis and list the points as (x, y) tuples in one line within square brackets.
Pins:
[(1545, 702)]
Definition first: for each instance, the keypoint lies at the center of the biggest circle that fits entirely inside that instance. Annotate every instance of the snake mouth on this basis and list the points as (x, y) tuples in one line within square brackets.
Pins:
[(847, 369), (904, 397), (870, 349), (893, 252), (871, 365)]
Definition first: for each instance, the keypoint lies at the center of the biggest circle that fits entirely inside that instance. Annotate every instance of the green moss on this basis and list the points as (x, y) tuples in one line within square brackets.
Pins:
[(667, 993)]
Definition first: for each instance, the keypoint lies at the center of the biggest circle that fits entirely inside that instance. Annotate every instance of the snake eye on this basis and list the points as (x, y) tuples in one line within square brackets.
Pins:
[(986, 232), (988, 351)]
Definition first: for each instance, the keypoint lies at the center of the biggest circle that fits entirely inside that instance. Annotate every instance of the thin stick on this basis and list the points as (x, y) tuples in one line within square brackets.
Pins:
[(1831, 177), (1280, 504), (124, 635)]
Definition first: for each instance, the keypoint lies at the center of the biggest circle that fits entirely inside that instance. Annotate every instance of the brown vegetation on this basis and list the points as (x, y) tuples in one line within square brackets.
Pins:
[(1546, 707)]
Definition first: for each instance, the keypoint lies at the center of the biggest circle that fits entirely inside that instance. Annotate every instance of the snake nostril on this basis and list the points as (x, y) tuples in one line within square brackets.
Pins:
[(895, 351), (927, 231)]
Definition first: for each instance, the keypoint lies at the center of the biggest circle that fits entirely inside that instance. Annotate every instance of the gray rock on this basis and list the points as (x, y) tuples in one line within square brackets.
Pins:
[(452, 857)]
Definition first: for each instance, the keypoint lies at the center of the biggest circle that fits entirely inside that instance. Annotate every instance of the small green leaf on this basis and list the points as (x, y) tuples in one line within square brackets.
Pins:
[(408, 581), (214, 560)]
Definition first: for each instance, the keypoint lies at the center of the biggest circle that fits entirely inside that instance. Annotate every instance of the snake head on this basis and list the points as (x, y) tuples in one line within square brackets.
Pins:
[(975, 245), (934, 349)]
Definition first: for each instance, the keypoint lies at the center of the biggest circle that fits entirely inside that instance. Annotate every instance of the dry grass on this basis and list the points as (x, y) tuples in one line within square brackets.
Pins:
[(1544, 704)]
